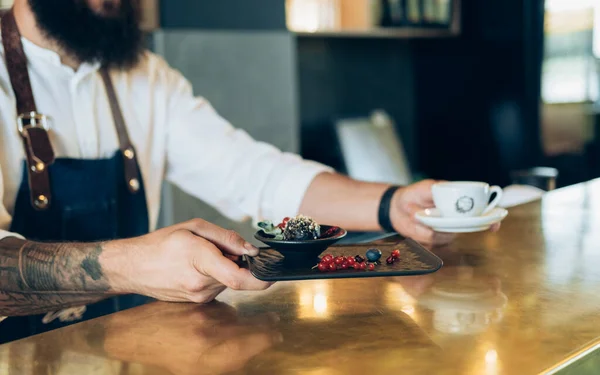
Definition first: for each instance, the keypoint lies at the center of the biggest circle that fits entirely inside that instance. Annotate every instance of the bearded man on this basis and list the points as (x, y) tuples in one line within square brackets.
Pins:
[(91, 125)]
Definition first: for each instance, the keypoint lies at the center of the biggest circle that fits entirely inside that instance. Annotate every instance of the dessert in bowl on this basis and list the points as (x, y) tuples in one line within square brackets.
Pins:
[(299, 238)]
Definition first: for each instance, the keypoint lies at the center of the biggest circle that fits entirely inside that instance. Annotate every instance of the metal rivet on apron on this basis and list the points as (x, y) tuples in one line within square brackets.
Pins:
[(41, 201), (38, 167), (134, 184), (129, 154)]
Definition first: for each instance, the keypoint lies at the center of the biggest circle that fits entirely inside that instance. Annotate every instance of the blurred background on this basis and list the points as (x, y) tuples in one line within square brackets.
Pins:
[(504, 91)]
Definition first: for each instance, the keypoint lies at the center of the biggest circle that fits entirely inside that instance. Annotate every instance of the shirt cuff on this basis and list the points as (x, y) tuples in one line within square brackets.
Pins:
[(288, 192), (5, 233)]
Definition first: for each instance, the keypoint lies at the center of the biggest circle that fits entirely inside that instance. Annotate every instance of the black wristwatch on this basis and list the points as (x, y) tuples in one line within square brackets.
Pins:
[(384, 209)]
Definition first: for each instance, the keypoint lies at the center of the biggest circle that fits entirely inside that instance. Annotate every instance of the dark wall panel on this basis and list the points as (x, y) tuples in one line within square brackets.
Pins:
[(223, 14), (478, 95), (346, 77)]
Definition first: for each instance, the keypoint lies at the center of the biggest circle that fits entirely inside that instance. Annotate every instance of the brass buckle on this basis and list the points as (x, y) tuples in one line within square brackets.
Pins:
[(33, 119)]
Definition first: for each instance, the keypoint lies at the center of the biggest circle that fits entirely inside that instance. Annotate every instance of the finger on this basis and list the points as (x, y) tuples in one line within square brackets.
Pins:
[(228, 273), (210, 293), (412, 209), (420, 233), (428, 236), (226, 240), (425, 195), (413, 198), (233, 258)]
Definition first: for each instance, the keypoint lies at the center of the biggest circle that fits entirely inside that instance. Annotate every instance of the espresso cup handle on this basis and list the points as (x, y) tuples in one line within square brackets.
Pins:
[(491, 206)]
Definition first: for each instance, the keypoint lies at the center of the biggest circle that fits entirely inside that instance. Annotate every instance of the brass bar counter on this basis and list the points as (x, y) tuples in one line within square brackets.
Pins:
[(522, 301)]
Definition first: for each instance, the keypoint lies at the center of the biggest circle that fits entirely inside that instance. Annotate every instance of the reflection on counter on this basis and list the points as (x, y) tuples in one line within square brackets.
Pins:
[(460, 299), (313, 300), (397, 298), (463, 307), (154, 339)]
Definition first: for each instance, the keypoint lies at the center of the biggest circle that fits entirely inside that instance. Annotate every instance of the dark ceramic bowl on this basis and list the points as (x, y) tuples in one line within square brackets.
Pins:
[(301, 251)]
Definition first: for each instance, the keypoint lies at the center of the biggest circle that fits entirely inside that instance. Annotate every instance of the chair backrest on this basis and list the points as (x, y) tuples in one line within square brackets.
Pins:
[(372, 150)]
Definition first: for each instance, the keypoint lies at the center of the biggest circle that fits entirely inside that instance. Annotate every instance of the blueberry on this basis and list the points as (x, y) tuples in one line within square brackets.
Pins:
[(373, 255)]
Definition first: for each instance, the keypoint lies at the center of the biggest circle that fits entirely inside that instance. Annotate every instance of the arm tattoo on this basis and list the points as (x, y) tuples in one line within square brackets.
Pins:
[(38, 277), (62, 267)]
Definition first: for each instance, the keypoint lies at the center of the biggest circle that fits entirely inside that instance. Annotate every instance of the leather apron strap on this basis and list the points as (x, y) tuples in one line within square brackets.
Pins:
[(132, 173), (33, 126)]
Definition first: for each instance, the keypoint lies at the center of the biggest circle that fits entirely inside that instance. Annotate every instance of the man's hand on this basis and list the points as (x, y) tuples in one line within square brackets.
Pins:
[(406, 203), (192, 261), (189, 262)]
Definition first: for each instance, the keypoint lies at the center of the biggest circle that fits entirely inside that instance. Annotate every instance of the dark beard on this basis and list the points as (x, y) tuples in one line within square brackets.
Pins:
[(113, 39)]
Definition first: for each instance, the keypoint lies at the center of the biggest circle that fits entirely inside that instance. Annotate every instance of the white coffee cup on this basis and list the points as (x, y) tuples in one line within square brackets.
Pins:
[(465, 198)]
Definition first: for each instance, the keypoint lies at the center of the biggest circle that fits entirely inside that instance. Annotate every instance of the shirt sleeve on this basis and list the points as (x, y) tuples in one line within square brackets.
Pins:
[(5, 218), (210, 159)]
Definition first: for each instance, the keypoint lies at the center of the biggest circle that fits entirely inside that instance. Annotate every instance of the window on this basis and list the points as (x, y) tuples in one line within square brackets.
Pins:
[(572, 48)]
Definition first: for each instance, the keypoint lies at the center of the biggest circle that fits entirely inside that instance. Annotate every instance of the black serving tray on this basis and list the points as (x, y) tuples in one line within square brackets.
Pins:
[(270, 265)]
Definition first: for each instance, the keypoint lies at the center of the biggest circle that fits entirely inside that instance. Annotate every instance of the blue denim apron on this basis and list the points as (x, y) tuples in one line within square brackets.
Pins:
[(83, 200)]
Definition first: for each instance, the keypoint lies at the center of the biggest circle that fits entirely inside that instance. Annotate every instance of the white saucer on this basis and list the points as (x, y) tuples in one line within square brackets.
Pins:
[(433, 219)]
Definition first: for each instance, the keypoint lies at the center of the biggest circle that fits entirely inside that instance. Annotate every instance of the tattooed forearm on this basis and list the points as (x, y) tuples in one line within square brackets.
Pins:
[(16, 304), (62, 267), (38, 277)]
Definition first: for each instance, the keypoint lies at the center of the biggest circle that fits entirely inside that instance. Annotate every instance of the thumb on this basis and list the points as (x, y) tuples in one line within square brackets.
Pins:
[(424, 194), (412, 208)]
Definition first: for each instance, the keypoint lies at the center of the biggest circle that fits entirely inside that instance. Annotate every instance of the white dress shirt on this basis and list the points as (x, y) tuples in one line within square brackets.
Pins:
[(177, 136)]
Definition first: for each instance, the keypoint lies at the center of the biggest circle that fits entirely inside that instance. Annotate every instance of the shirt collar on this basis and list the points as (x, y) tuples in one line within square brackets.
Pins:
[(48, 56)]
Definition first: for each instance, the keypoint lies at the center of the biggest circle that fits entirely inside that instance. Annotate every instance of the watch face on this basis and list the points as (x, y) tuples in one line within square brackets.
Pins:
[(464, 205)]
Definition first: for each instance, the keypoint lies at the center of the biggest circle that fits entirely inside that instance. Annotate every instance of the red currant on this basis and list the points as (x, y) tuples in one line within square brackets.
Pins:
[(396, 254), (390, 259), (363, 265), (339, 260), (371, 267), (356, 266), (332, 266), (350, 261), (323, 267), (328, 258), (344, 265)]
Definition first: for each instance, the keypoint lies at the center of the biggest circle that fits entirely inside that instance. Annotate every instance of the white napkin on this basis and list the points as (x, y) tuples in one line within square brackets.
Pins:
[(515, 195)]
